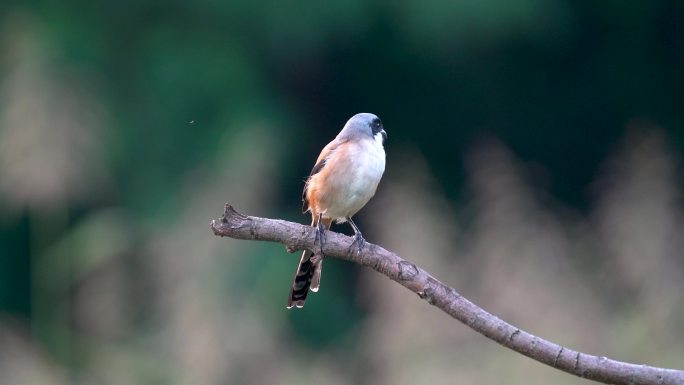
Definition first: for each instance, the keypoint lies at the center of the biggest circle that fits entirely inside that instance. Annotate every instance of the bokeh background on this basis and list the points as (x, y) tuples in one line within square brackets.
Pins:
[(534, 164)]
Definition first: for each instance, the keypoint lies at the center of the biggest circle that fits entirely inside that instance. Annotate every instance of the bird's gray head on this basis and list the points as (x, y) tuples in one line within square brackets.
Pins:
[(363, 125)]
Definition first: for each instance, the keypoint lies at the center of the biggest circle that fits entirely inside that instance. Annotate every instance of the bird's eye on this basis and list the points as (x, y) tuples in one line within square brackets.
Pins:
[(376, 126)]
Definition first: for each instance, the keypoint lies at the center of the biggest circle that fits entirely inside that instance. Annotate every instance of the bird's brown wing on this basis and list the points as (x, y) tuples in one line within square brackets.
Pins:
[(320, 163)]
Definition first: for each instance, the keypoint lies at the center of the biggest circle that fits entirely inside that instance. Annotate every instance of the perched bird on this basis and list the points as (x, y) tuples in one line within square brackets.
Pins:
[(344, 179)]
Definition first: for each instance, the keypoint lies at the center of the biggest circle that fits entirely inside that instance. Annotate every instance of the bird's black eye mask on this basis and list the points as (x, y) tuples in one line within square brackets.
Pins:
[(376, 126)]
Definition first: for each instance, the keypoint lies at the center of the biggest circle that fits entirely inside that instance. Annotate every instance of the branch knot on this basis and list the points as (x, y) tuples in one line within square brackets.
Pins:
[(407, 271)]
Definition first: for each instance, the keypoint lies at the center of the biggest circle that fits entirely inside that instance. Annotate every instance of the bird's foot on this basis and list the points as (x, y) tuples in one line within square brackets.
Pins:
[(359, 242), (320, 240)]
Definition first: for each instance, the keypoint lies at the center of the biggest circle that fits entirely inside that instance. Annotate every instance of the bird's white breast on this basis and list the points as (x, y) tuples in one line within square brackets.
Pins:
[(358, 182)]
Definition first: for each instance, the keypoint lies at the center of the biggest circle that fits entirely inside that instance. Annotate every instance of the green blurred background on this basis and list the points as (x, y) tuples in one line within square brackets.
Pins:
[(533, 164)]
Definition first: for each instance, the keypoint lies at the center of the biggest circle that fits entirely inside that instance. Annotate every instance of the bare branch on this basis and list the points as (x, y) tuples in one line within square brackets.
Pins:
[(297, 237)]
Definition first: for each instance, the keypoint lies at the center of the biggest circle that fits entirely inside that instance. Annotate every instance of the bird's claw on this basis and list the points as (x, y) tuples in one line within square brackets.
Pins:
[(359, 242), (320, 239)]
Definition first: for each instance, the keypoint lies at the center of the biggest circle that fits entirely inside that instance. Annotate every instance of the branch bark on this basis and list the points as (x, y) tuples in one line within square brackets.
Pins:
[(296, 236)]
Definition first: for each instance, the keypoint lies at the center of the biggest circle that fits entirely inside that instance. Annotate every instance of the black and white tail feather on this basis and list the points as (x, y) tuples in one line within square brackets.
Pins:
[(308, 275)]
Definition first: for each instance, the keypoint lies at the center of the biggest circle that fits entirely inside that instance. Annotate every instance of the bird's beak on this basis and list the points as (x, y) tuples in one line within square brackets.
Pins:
[(384, 135)]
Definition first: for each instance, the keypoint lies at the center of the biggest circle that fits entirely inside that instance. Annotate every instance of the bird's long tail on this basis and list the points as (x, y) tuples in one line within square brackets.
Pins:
[(308, 274)]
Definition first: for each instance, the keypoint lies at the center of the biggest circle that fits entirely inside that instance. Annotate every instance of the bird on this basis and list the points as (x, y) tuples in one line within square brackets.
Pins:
[(343, 179)]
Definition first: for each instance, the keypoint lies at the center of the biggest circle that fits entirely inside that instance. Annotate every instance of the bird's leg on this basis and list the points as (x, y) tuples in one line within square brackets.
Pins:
[(320, 240), (358, 238)]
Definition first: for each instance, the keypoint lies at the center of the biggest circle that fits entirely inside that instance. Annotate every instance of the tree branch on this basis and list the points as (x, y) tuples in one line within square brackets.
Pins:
[(297, 237)]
